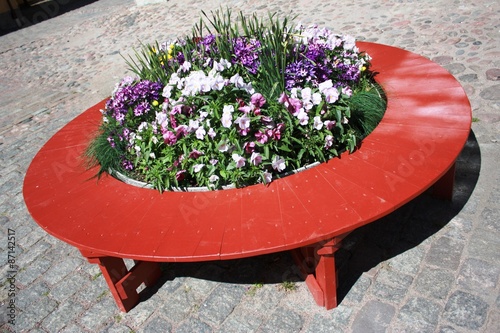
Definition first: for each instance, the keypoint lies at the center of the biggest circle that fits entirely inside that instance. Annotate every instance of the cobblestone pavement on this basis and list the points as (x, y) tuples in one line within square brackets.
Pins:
[(432, 266)]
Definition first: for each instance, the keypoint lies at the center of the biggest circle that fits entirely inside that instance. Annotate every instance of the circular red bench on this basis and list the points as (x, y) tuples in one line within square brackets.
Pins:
[(425, 127)]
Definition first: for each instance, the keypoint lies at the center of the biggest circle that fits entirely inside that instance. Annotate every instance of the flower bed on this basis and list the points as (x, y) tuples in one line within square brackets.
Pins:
[(242, 104)]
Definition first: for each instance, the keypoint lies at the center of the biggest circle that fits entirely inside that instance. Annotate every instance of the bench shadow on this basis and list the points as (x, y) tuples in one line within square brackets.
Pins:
[(363, 249), (32, 12), (408, 226)]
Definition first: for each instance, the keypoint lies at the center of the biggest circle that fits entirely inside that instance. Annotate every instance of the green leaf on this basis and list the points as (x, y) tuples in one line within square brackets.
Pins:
[(301, 152), (284, 148)]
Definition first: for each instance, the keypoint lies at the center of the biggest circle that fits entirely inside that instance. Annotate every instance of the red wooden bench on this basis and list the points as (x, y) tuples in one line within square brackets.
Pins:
[(414, 147)]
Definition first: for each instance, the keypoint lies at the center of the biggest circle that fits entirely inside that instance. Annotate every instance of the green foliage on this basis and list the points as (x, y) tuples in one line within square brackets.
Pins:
[(160, 163), (367, 109), (288, 286), (100, 153), (253, 289)]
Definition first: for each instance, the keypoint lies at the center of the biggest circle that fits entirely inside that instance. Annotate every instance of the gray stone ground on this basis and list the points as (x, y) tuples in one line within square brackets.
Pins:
[(432, 266)]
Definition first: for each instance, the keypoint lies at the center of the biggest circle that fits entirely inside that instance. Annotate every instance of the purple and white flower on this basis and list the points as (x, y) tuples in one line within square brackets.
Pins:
[(278, 163), (240, 160)]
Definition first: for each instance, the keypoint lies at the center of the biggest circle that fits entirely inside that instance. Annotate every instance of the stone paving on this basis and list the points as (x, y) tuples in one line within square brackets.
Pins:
[(432, 266)]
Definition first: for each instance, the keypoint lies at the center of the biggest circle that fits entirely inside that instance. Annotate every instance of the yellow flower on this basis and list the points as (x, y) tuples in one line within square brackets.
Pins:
[(153, 50), (363, 68), (170, 51), (155, 103)]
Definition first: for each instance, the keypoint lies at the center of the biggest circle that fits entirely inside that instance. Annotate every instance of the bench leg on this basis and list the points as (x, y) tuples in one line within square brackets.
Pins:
[(317, 266), (122, 282), (443, 188)]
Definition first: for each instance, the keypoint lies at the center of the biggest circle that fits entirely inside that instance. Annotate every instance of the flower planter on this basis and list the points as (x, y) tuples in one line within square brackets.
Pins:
[(223, 108), (413, 149), (137, 183)]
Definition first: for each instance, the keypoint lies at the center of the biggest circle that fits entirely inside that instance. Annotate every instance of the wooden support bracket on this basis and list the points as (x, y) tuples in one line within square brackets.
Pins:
[(122, 282)]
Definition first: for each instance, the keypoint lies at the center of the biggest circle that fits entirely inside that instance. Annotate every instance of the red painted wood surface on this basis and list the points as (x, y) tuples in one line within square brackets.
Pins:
[(425, 128)]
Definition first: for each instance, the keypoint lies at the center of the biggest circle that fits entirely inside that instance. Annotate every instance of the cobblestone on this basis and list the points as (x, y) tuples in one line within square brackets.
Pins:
[(435, 283), (491, 93), (98, 314), (485, 245), (420, 313), (220, 304), (61, 269), (194, 325), (68, 286), (466, 310), (158, 324), (56, 320), (283, 320), (445, 252), (373, 317), (478, 275), (431, 266)]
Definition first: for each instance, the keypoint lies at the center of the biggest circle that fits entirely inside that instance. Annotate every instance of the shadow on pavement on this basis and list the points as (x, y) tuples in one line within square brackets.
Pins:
[(31, 12), (362, 250), (408, 226)]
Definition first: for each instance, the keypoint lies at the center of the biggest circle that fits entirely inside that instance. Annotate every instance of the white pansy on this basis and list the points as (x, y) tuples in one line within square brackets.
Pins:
[(240, 160), (203, 115), (308, 105), (144, 125), (197, 167), (223, 147), (349, 43), (238, 82), (174, 79), (278, 163), (193, 125), (331, 95), (268, 177), (200, 133), (218, 66), (316, 98), (225, 63), (218, 82), (227, 120), (228, 108), (243, 122), (325, 85), (167, 91), (328, 141), (302, 117), (186, 66), (306, 94), (318, 124)]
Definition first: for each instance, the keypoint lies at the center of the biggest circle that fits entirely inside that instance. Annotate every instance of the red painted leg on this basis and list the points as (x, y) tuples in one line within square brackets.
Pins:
[(123, 283), (326, 274), (317, 266), (443, 188)]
